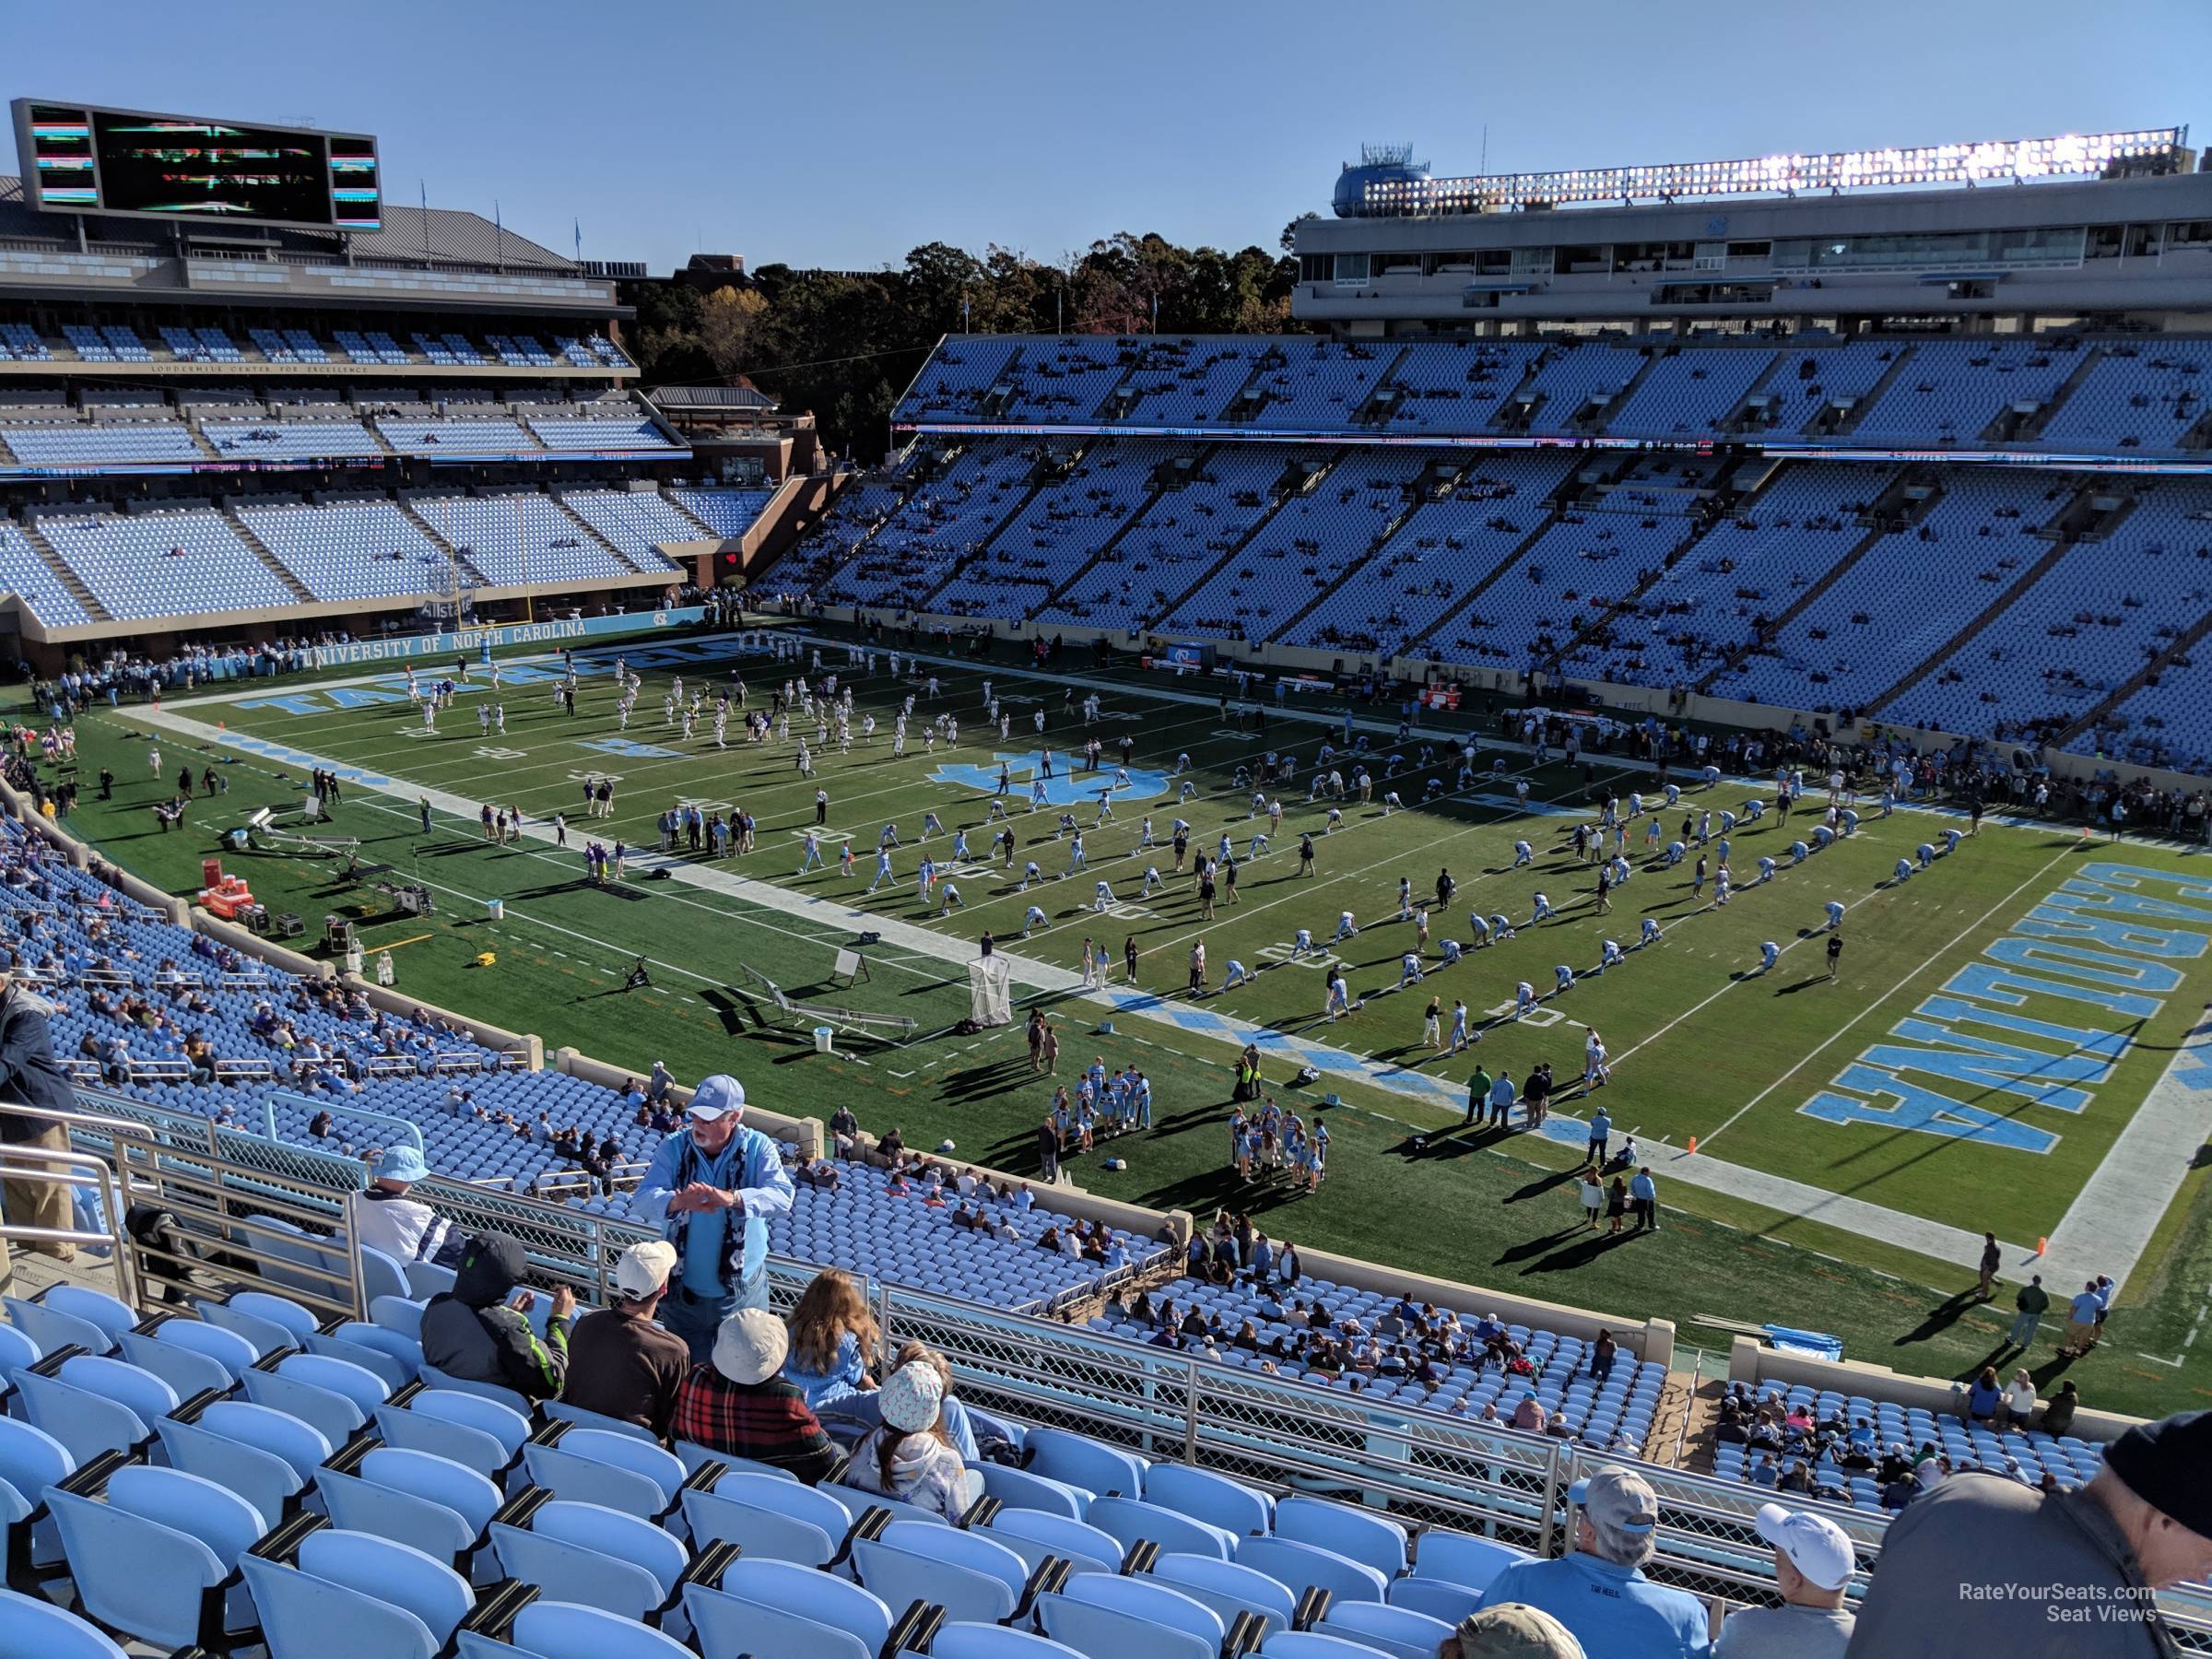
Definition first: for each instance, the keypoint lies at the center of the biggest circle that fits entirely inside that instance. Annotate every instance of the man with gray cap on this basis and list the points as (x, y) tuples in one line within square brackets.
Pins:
[(385, 1218), (1510, 1630), (1982, 1560), (620, 1363), (1813, 1562), (711, 1187), (1599, 1592)]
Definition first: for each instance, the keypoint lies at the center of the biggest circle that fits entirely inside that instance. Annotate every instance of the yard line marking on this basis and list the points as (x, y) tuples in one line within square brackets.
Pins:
[(1904, 980)]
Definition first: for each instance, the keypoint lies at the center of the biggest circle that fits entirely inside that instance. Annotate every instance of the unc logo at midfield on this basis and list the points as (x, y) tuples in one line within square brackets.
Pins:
[(1063, 788)]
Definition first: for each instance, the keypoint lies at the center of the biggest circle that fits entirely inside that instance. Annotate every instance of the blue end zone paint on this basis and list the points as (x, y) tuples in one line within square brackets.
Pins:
[(628, 748), (301, 757), (1061, 789)]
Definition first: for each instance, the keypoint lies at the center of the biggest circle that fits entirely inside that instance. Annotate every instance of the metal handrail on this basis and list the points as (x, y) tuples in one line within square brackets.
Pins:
[(23, 1162)]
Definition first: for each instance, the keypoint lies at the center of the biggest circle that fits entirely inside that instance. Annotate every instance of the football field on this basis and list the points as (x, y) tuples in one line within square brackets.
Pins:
[(2008, 1042)]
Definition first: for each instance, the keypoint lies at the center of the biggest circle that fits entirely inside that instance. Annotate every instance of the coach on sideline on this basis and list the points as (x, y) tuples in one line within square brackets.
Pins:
[(708, 1175)]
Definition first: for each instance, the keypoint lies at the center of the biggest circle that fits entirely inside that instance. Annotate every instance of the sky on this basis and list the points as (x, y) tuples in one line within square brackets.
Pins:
[(842, 133)]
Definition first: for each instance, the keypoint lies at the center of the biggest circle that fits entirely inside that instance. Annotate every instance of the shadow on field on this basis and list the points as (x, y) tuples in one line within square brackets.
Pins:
[(1941, 1317), (1586, 1247)]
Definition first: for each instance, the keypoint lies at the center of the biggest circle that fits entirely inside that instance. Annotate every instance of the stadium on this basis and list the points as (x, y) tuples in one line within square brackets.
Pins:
[(1566, 878)]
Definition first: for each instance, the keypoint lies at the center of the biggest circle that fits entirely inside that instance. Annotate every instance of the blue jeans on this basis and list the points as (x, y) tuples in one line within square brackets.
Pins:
[(697, 1318)]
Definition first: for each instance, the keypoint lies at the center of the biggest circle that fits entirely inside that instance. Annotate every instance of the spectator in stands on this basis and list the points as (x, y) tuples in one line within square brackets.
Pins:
[(1813, 1563), (832, 1337), (711, 1188), (385, 1218), (843, 1129), (910, 1454), (739, 1405), (1981, 1400), (479, 1331), (1599, 1592), (31, 1075), (1986, 1562), (622, 1364), (1510, 1632), (2058, 1411)]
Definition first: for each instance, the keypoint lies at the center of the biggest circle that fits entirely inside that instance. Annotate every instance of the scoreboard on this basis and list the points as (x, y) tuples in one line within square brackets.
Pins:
[(79, 158)]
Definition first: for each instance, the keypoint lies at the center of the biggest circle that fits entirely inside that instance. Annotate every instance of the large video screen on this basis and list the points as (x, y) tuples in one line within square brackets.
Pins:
[(82, 160)]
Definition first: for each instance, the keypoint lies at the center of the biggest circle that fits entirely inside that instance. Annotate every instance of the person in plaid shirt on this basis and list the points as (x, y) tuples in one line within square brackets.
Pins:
[(741, 1405)]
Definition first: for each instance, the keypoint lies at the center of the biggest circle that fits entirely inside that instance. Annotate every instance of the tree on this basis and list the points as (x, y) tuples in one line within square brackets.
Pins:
[(729, 318)]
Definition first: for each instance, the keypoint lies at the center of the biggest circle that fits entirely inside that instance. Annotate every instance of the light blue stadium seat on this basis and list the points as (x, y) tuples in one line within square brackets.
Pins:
[(973, 1578), (146, 1559), (1399, 1632), (31, 1460), (778, 1520), (1019, 1489), (1205, 1496), (601, 1557), (1464, 1558), (17, 1348), (436, 1379), (261, 1477), (86, 1423), (559, 1630), (1034, 1534), (32, 1628), (1299, 1567), (1104, 1616), (506, 1425), (1360, 1534), (1130, 1521), (111, 1315), (1228, 1589), (995, 1641), (1313, 1644), (54, 1329), (1096, 1468), (1439, 1598), (332, 1415)]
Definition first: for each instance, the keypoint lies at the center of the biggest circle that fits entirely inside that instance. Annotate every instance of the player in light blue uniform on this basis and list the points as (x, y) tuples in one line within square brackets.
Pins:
[(810, 854), (1799, 851), (1301, 943), (1480, 926), (1563, 977), (959, 844), (1542, 909), (1523, 854), (1608, 953), (1904, 869), (1525, 998), (1450, 947), (1035, 919), (883, 869), (1102, 896), (1075, 855), (1650, 934), (1501, 927), (1835, 913), (1346, 928), (1925, 853), (1766, 869), (1769, 953), (1409, 970)]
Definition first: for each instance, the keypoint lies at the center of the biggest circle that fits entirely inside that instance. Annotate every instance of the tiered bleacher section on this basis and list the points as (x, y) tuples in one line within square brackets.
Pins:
[(290, 440), (95, 442), (349, 550), (181, 563), (1886, 612), (1951, 390), (1050, 539), (723, 512), (2141, 394), (942, 524), (27, 576), (475, 435), (519, 536), (634, 519), (637, 433)]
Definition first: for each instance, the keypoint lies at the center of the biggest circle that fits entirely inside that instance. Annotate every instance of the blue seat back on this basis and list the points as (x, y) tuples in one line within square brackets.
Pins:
[(134, 1574), (625, 1448), (426, 1279), (150, 1398), (227, 1524), (1205, 1496), (398, 1314), (1400, 1632), (901, 1578), (86, 1423), (508, 1397), (110, 1315), (53, 1330), (1440, 1598), (277, 1309), (1302, 1566), (363, 1386), (610, 1532), (406, 1577), (1228, 1589), (33, 1628), (183, 1369), (818, 1596), (1019, 1489), (598, 1419), (423, 1431), (1097, 1469), (262, 1478), (227, 1349), (558, 1567), (1130, 1521), (304, 1617), (393, 1373), (356, 1504), (1361, 1535), (1033, 1535), (730, 1624), (588, 1480), (382, 1274), (775, 1535), (332, 1414), (1149, 1599), (995, 1641), (557, 1629), (300, 1444), (1464, 1558), (1099, 1632), (467, 1492), (17, 1348), (1313, 1644), (503, 1422), (266, 1335)]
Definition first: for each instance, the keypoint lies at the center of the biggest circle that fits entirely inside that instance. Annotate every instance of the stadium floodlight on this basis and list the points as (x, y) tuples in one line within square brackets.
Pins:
[(2065, 155)]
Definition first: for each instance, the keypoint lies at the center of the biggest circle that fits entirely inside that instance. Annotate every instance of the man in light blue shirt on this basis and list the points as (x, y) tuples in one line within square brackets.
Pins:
[(1644, 1192), (710, 1188), (1599, 1592)]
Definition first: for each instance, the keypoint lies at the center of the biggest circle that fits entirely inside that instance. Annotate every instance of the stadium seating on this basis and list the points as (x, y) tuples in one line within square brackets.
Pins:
[(519, 536), (2141, 394), (97, 441), (630, 433), (346, 550), (1052, 537), (290, 440), (20, 342), (475, 435), (186, 562), (27, 576), (723, 512), (633, 520)]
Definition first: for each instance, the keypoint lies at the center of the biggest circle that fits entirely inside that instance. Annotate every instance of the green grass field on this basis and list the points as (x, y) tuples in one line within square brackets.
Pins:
[(1701, 1045)]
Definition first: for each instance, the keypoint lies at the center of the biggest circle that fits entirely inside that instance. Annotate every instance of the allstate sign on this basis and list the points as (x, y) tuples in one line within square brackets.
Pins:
[(1063, 788)]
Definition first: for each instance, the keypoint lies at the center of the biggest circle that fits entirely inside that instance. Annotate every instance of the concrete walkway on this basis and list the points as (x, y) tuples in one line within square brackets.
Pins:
[(1773, 1192)]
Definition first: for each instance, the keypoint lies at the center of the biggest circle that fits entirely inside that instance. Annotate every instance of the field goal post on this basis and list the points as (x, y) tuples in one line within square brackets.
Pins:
[(990, 991)]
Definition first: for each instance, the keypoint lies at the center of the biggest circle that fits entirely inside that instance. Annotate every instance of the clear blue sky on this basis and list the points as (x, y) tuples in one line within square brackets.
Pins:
[(842, 133)]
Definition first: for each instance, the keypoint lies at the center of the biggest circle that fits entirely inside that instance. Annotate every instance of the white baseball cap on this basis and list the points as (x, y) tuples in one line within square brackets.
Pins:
[(643, 1269), (1816, 1545), (716, 1095)]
